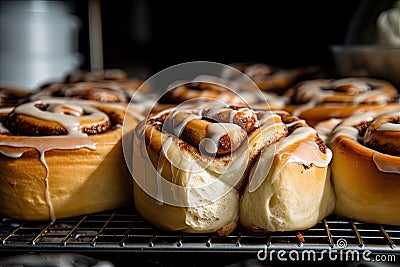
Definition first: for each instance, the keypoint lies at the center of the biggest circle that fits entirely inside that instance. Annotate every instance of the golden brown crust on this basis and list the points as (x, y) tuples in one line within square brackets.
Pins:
[(49, 177), (366, 179)]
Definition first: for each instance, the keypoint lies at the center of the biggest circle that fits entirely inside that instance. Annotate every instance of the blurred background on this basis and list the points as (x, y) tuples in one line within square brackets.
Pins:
[(42, 40)]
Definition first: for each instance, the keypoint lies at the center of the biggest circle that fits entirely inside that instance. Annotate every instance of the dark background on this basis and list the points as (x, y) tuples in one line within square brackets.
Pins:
[(148, 36)]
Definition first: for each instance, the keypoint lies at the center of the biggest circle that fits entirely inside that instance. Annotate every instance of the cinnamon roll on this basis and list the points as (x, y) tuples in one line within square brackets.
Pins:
[(103, 91), (322, 99), (181, 91), (61, 158), (184, 167), (366, 166), (192, 161), (268, 77), (289, 186), (106, 86), (217, 88)]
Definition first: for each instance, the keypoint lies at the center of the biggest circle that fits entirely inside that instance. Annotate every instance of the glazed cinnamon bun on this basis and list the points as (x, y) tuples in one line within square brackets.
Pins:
[(61, 158), (187, 175), (192, 161), (366, 166), (107, 86), (268, 77), (322, 99), (217, 88)]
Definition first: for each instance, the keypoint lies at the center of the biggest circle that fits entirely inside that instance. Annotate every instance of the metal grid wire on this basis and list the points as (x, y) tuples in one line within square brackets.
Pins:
[(125, 230)]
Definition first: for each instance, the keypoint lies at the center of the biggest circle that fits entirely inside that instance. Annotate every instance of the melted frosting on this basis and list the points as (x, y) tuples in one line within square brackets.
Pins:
[(383, 165), (306, 153), (215, 131)]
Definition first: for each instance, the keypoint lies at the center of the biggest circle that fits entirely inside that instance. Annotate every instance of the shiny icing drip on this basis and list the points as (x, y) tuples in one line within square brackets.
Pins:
[(348, 130), (325, 128), (215, 131), (395, 127), (69, 115), (179, 128), (383, 165), (306, 153)]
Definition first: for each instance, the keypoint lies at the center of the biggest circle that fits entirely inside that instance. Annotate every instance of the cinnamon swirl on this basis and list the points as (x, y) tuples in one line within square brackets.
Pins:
[(191, 158), (61, 158), (366, 166), (322, 99)]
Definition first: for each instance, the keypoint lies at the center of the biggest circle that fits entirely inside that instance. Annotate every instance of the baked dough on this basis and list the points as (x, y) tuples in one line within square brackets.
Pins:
[(366, 167), (58, 176)]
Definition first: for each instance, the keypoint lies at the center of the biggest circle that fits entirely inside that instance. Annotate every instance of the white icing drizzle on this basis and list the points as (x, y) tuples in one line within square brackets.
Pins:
[(303, 122), (346, 127), (395, 127), (66, 113), (384, 165), (325, 128), (214, 133), (361, 85), (345, 130), (308, 152), (264, 116), (209, 145), (305, 153), (70, 121), (179, 128)]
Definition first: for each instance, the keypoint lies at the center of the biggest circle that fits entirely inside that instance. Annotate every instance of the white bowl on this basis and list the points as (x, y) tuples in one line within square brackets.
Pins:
[(28, 71)]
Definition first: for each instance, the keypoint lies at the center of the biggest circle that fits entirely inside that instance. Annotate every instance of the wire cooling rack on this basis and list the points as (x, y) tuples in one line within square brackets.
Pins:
[(124, 230)]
